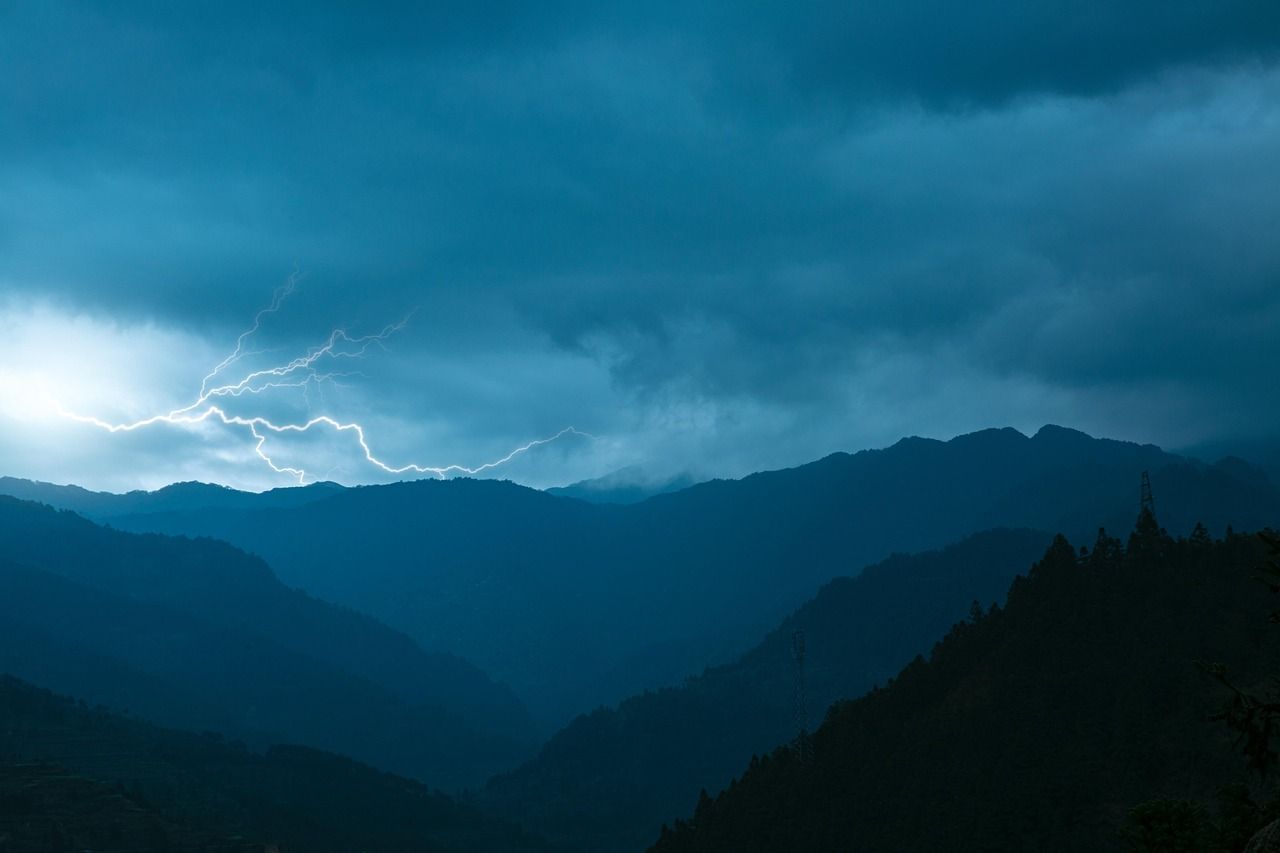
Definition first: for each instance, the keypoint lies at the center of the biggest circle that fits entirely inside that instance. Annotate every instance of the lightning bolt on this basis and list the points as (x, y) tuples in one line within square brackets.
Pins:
[(299, 372), (277, 299)]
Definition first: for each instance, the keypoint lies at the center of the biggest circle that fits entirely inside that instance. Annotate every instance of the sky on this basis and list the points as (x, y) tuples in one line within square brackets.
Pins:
[(712, 237)]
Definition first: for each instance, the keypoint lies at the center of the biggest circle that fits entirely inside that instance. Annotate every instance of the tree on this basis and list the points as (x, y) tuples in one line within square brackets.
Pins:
[(1255, 715), (1167, 826)]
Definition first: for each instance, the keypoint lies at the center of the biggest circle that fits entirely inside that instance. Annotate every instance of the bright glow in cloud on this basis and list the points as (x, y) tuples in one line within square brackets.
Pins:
[(25, 396), (48, 357), (313, 368), (612, 233)]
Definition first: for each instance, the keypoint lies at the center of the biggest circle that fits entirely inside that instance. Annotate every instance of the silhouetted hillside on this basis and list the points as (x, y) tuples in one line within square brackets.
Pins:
[(611, 778), (576, 605), (625, 486), (50, 809), (198, 634), (178, 497), (1261, 453), (169, 790), (1034, 728)]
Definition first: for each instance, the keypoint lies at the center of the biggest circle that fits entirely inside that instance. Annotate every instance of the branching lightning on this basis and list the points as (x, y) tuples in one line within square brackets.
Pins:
[(300, 372), (277, 299)]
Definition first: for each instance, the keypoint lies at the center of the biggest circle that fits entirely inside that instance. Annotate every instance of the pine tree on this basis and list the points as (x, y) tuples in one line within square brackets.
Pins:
[(1255, 717)]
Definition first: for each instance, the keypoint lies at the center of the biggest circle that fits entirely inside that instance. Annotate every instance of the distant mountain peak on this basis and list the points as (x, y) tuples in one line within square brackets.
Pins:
[(628, 485), (184, 487), (990, 437), (183, 495), (1056, 431), (1066, 436)]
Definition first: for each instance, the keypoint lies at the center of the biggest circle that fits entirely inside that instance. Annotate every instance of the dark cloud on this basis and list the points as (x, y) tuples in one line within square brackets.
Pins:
[(991, 50), (692, 225)]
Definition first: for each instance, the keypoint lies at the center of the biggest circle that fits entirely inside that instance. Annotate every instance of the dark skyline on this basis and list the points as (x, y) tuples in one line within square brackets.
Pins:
[(719, 239)]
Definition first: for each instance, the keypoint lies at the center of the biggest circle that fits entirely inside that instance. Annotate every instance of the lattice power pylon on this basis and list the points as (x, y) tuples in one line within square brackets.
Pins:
[(1148, 500)]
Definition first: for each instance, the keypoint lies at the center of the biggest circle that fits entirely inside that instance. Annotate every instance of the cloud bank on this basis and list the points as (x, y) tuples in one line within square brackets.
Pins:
[(719, 238)]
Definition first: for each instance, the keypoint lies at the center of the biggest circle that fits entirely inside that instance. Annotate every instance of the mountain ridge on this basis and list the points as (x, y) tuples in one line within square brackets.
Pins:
[(192, 785), (510, 577), (183, 495), (624, 486), (609, 780), (1054, 714), (179, 617)]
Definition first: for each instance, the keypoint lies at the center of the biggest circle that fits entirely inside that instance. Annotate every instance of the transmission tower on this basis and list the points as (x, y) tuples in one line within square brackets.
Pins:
[(803, 746), (1148, 501)]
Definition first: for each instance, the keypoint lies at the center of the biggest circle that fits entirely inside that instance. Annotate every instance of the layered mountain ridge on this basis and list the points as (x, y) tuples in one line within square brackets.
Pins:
[(576, 605), (611, 778), (1038, 725), (199, 634)]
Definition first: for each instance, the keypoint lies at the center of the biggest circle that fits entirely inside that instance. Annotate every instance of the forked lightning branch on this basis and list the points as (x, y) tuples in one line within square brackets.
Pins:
[(301, 372)]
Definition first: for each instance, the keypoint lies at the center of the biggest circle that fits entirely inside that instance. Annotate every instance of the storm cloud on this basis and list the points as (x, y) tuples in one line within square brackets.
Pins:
[(719, 237)]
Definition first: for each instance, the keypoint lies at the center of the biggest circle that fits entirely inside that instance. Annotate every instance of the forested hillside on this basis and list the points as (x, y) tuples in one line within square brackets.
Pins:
[(1037, 726), (75, 778), (611, 778), (198, 634), (44, 807), (575, 605)]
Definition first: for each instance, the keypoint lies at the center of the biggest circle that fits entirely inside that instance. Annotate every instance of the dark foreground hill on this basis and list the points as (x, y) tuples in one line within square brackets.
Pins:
[(44, 807), (1036, 727), (198, 634), (609, 780), (575, 605), (76, 778)]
